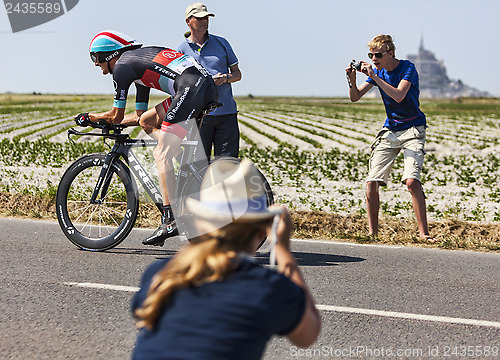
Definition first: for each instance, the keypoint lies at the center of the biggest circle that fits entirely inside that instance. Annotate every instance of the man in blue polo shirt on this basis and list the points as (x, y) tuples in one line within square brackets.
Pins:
[(220, 128), (404, 127)]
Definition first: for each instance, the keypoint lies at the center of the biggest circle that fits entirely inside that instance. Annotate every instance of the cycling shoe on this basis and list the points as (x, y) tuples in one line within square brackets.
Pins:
[(163, 232)]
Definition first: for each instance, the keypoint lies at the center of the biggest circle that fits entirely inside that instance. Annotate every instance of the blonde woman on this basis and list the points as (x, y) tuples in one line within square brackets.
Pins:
[(212, 300)]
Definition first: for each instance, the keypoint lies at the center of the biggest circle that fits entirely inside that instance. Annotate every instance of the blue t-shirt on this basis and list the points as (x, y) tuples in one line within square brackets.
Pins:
[(216, 55), (229, 319), (407, 113)]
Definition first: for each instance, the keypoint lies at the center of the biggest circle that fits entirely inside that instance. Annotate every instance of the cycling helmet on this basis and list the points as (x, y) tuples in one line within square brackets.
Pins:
[(108, 44)]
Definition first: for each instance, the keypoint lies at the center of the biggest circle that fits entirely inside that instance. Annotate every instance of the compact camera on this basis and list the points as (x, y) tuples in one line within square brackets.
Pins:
[(356, 65)]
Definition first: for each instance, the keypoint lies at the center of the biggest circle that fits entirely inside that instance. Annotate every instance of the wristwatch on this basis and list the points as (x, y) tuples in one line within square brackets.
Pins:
[(227, 77)]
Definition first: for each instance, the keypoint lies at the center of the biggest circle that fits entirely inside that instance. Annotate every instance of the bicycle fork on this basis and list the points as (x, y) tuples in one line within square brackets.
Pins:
[(104, 178)]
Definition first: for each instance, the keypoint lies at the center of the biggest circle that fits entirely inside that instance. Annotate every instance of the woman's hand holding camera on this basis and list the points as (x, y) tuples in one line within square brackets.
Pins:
[(284, 229), (306, 332)]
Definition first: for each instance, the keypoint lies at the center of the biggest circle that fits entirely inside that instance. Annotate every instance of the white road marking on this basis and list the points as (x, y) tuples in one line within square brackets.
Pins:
[(400, 315), (103, 286), (346, 243), (343, 309)]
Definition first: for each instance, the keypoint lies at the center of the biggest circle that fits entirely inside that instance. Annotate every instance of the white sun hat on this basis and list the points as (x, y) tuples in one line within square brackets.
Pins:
[(232, 191)]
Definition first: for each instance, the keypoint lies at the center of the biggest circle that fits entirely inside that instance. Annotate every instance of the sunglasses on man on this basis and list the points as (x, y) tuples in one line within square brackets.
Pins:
[(94, 57), (378, 55), (101, 56)]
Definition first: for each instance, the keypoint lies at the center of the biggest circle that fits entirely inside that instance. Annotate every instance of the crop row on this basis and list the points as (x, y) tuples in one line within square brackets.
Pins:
[(315, 154)]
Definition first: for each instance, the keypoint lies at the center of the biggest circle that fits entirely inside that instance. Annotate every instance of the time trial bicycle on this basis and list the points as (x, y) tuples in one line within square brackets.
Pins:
[(97, 199)]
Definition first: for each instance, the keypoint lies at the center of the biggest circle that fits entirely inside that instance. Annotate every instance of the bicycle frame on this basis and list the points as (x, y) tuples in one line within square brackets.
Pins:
[(123, 148)]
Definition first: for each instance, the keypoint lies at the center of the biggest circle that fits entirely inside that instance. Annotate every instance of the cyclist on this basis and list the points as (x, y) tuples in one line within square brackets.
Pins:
[(164, 69)]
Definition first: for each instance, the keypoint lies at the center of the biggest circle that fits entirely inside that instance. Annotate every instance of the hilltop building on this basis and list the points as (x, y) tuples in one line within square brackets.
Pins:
[(434, 83)]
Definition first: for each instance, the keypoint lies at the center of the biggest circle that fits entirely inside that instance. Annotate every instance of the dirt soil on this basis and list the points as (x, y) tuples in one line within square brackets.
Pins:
[(451, 233)]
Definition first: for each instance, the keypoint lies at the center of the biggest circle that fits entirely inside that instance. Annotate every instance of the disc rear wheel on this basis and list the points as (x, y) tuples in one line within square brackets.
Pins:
[(191, 189)]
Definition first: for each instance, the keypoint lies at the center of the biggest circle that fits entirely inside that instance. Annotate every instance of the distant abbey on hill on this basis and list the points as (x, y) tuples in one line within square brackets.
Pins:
[(434, 83)]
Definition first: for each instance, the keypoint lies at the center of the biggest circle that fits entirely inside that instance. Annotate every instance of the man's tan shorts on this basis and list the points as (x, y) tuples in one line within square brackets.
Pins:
[(386, 148)]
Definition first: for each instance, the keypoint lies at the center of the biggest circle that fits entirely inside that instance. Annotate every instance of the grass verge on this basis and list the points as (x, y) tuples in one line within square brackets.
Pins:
[(451, 233)]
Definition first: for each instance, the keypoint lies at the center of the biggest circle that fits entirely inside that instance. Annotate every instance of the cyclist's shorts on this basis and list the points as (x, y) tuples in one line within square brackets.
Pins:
[(180, 130), (166, 104), (194, 92)]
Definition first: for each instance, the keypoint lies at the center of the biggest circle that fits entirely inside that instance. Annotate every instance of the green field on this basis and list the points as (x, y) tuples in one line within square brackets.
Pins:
[(314, 151)]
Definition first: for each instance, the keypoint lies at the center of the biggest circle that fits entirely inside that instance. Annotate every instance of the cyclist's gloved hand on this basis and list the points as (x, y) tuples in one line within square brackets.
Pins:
[(82, 119)]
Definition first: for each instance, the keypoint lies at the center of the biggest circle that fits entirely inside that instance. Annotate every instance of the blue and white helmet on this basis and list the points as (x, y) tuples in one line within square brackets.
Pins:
[(108, 44)]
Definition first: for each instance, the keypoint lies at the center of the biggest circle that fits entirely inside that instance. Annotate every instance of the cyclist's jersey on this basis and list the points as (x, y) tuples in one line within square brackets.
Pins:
[(150, 67)]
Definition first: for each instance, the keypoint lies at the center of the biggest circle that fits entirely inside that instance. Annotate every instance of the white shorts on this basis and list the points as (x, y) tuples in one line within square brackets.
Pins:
[(386, 148)]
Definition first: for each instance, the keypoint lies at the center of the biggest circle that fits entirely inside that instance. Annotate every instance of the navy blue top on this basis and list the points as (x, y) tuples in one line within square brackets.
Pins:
[(229, 319), (407, 113), (217, 56)]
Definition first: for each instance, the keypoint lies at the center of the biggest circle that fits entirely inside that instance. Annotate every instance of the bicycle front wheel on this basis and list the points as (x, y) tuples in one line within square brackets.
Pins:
[(107, 222)]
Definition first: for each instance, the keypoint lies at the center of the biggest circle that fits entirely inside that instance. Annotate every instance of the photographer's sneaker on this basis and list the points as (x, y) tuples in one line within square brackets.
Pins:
[(163, 232)]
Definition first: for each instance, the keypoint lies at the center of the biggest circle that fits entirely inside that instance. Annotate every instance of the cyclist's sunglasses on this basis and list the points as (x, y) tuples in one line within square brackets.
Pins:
[(94, 57), (98, 56), (377, 54)]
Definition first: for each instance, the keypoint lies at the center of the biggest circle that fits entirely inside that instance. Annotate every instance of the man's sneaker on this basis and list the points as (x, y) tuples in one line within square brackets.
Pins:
[(163, 232)]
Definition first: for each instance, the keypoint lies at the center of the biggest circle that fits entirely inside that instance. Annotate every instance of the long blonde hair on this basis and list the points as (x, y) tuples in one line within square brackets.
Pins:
[(211, 258)]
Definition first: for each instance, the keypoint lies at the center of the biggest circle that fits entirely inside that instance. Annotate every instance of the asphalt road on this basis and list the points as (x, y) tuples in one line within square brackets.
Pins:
[(376, 302)]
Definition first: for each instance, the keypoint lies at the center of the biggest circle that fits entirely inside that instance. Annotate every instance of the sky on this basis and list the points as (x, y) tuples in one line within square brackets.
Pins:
[(285, 48)]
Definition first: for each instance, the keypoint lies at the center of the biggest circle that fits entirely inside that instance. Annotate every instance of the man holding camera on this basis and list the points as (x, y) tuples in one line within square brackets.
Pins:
[(404, 127)]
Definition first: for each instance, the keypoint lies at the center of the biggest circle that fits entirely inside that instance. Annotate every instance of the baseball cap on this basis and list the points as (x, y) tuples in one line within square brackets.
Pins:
[(198, 10)]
